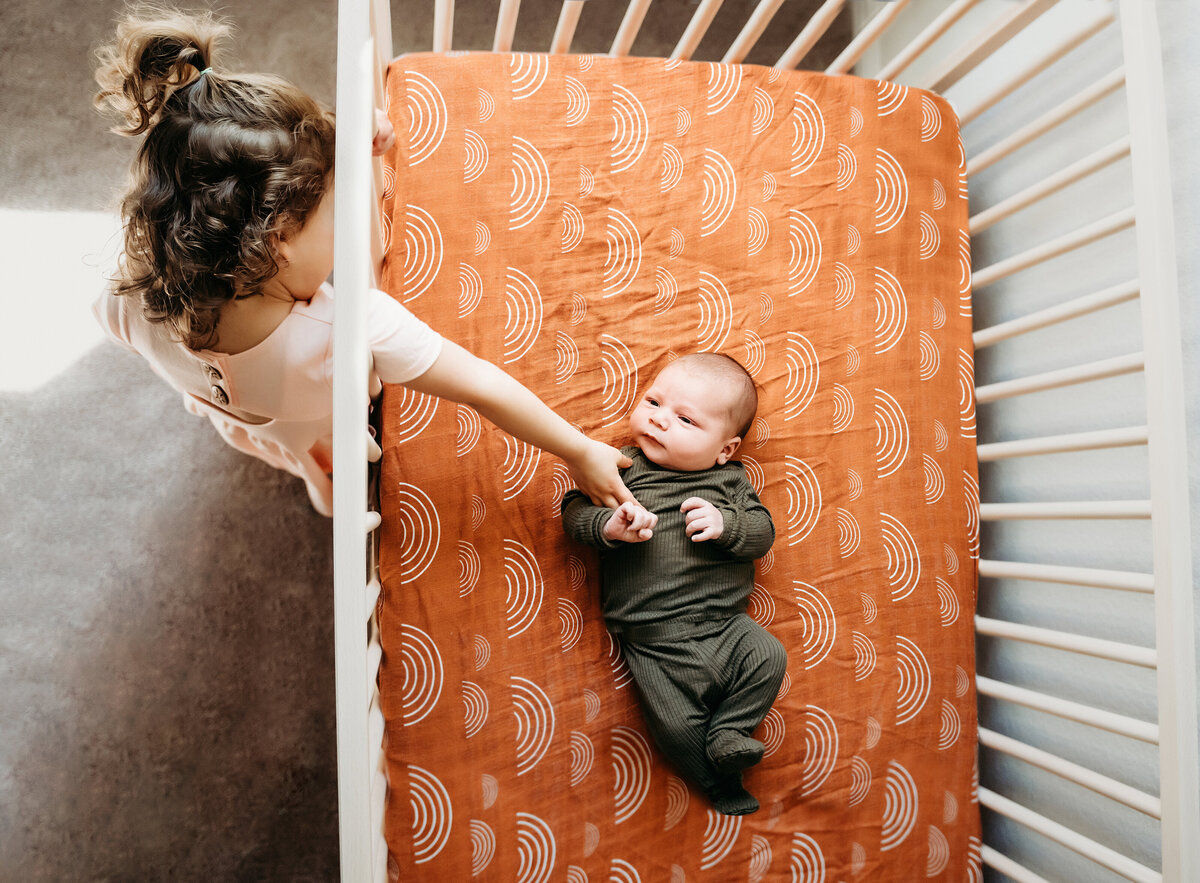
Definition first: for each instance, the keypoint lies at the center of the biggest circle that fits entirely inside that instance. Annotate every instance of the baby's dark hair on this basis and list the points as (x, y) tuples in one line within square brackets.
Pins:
[(229, 164), (728, 370)]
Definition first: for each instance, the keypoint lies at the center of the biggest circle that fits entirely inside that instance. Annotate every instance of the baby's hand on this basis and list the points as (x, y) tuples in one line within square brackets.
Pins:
[(385, 134), (702, 520), (630, 523)]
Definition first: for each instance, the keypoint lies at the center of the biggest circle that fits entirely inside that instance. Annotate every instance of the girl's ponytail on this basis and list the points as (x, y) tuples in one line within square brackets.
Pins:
[(155, 53)]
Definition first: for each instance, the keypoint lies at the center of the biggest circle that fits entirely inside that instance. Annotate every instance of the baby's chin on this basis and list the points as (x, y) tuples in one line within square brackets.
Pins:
[(659, 456)]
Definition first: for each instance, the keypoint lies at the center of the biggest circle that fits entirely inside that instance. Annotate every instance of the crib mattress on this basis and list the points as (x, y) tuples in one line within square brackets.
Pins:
[(581, 221)]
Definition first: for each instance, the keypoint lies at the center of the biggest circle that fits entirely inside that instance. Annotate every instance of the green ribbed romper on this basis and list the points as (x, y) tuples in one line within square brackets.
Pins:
[(702, 666)]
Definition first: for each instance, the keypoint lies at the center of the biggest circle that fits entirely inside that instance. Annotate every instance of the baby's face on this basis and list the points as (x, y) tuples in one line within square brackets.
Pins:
[(682, 422)]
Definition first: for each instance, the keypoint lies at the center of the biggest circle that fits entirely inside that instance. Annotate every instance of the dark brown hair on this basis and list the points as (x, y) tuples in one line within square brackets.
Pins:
[(743, 402), (228, 165)]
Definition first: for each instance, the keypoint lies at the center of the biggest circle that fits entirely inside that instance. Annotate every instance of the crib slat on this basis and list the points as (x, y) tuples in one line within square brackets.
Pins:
[(1064, 708), (753, 29), (630, 25), (863, 40), (1114, 223), (1088, 509), (1072, 309), (443, 25), (1073, 840), (1075, 576), (1113, 650), (564, 32), (373, 589), (1058, 444), (696, 29), (1008, 867), (821, 21), (989, 39), (506, 25), (1073, 772), (1077, 171), (1099, 370), (925, 39), (1069, 42), (1046, 122)]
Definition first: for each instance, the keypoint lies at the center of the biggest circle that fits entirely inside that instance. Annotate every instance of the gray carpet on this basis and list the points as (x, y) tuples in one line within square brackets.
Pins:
[(166, 661)]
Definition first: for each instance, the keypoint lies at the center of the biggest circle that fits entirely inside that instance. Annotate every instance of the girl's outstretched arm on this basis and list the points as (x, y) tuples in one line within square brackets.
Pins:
[(462, 377)]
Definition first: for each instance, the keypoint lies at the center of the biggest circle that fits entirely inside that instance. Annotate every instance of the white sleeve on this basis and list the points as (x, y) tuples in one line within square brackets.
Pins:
[(402, 345)]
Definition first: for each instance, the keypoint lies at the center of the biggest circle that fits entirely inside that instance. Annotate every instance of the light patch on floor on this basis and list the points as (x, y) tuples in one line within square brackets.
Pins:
[(60, 262)]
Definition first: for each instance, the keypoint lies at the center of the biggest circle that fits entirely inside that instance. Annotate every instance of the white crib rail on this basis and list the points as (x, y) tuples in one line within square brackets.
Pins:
[(914, 32)]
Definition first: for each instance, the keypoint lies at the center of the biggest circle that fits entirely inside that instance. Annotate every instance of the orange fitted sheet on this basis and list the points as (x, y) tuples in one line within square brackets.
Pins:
[(580, 221)]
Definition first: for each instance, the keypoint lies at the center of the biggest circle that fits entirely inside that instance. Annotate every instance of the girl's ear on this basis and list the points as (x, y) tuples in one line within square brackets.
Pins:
[(728, 450)]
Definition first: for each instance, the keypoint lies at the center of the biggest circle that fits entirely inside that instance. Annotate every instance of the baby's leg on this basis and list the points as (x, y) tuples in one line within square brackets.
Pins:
[(757, 661), (673, 684)]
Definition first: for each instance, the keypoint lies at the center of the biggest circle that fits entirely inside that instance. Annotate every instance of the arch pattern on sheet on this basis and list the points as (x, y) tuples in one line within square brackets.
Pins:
[(581, 221)]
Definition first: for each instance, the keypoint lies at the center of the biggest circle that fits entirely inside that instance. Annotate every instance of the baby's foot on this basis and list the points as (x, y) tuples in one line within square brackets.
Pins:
[(729, 797), (731, 752)]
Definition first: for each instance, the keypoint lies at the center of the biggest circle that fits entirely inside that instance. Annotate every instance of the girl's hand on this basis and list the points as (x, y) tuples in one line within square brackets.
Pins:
[(630, 524), (595, 473), (702, 520), (385, 134)]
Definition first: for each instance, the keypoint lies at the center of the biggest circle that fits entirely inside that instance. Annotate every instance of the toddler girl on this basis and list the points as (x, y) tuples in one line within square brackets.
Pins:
[(228, 242)]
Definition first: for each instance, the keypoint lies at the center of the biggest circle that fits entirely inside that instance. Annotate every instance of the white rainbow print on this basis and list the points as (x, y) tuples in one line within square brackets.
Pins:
[(622, 677), (949, 808), (904, 560), (486, 105), (579, 307), (853, 240), (962, 681), (804, 499), (583, 755), (935, 480), (432, 811), (854, 482), (469, 430), (941, 438), (804, 374), (724, 80), (964, 274), (578, 102), (535, 722), (530, 184), (716, 313), (769, 186), (573, 227), (560, 483), (889, 97), (677, 243), (939, 853), (476, 156), (761, 606), (666, 290), (631, 129), (974, 860), (806, 860), (422, 251), (891, 434), (865, 656), (412, 413), (891, 310), (758, 480), (808, 134), (683, 120), (475, 704), (819, 623), (470, 290), (672, 163), (939, 195), (900, 806), (620, 372), (566, 357), (760, 858), (468, 568), (422, 674), (856, 122), (966, 394), (420, 531), (570, 623), (763, 113), (720, 834), (756, 357), (520, 463), (483, 237), (869, 609), (820, 748), (491, 789), (677, 802), (931, 118), (591, 705), (631, 762), (849, 533), (482, 652), (528, 71), (804, 258), (720, 192), (624, 256), (426, 116), (948, 608), (523, 580), (860, 780), (939, 315), (523, 317), (931, 237), (930, 358), (951, 727), (847, 167), (536, 849), (843, 408), (586, 181), (773, 732), (971, 499), (621, 871), (891, 191), (915, 680), (483, 846), (758, 231)]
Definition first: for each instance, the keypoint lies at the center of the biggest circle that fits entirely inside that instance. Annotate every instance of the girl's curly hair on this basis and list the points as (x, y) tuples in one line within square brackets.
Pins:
[(228, 165)]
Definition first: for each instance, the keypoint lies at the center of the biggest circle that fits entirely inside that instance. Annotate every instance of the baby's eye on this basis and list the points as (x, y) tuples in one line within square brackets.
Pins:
[(687, 420), (652, 403)]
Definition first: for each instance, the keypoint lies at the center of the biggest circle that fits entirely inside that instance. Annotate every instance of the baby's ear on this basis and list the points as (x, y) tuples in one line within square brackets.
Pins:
[(728, 450)]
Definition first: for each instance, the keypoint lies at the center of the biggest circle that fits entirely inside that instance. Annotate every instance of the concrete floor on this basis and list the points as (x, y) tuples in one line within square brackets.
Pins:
[(166, 679)]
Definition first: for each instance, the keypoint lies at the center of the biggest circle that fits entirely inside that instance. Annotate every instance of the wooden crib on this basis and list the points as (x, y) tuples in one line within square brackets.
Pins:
[(1085, 649)]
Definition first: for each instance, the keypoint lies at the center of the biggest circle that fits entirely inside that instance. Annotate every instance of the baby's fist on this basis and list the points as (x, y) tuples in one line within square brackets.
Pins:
[(630, 523), (702, 520)]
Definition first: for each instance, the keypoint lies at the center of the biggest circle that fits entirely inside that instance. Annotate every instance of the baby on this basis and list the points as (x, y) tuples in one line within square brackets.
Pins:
[(678, 569)]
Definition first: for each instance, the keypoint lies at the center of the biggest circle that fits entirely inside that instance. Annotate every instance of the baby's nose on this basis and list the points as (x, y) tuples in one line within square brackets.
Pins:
[(659, 420)]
